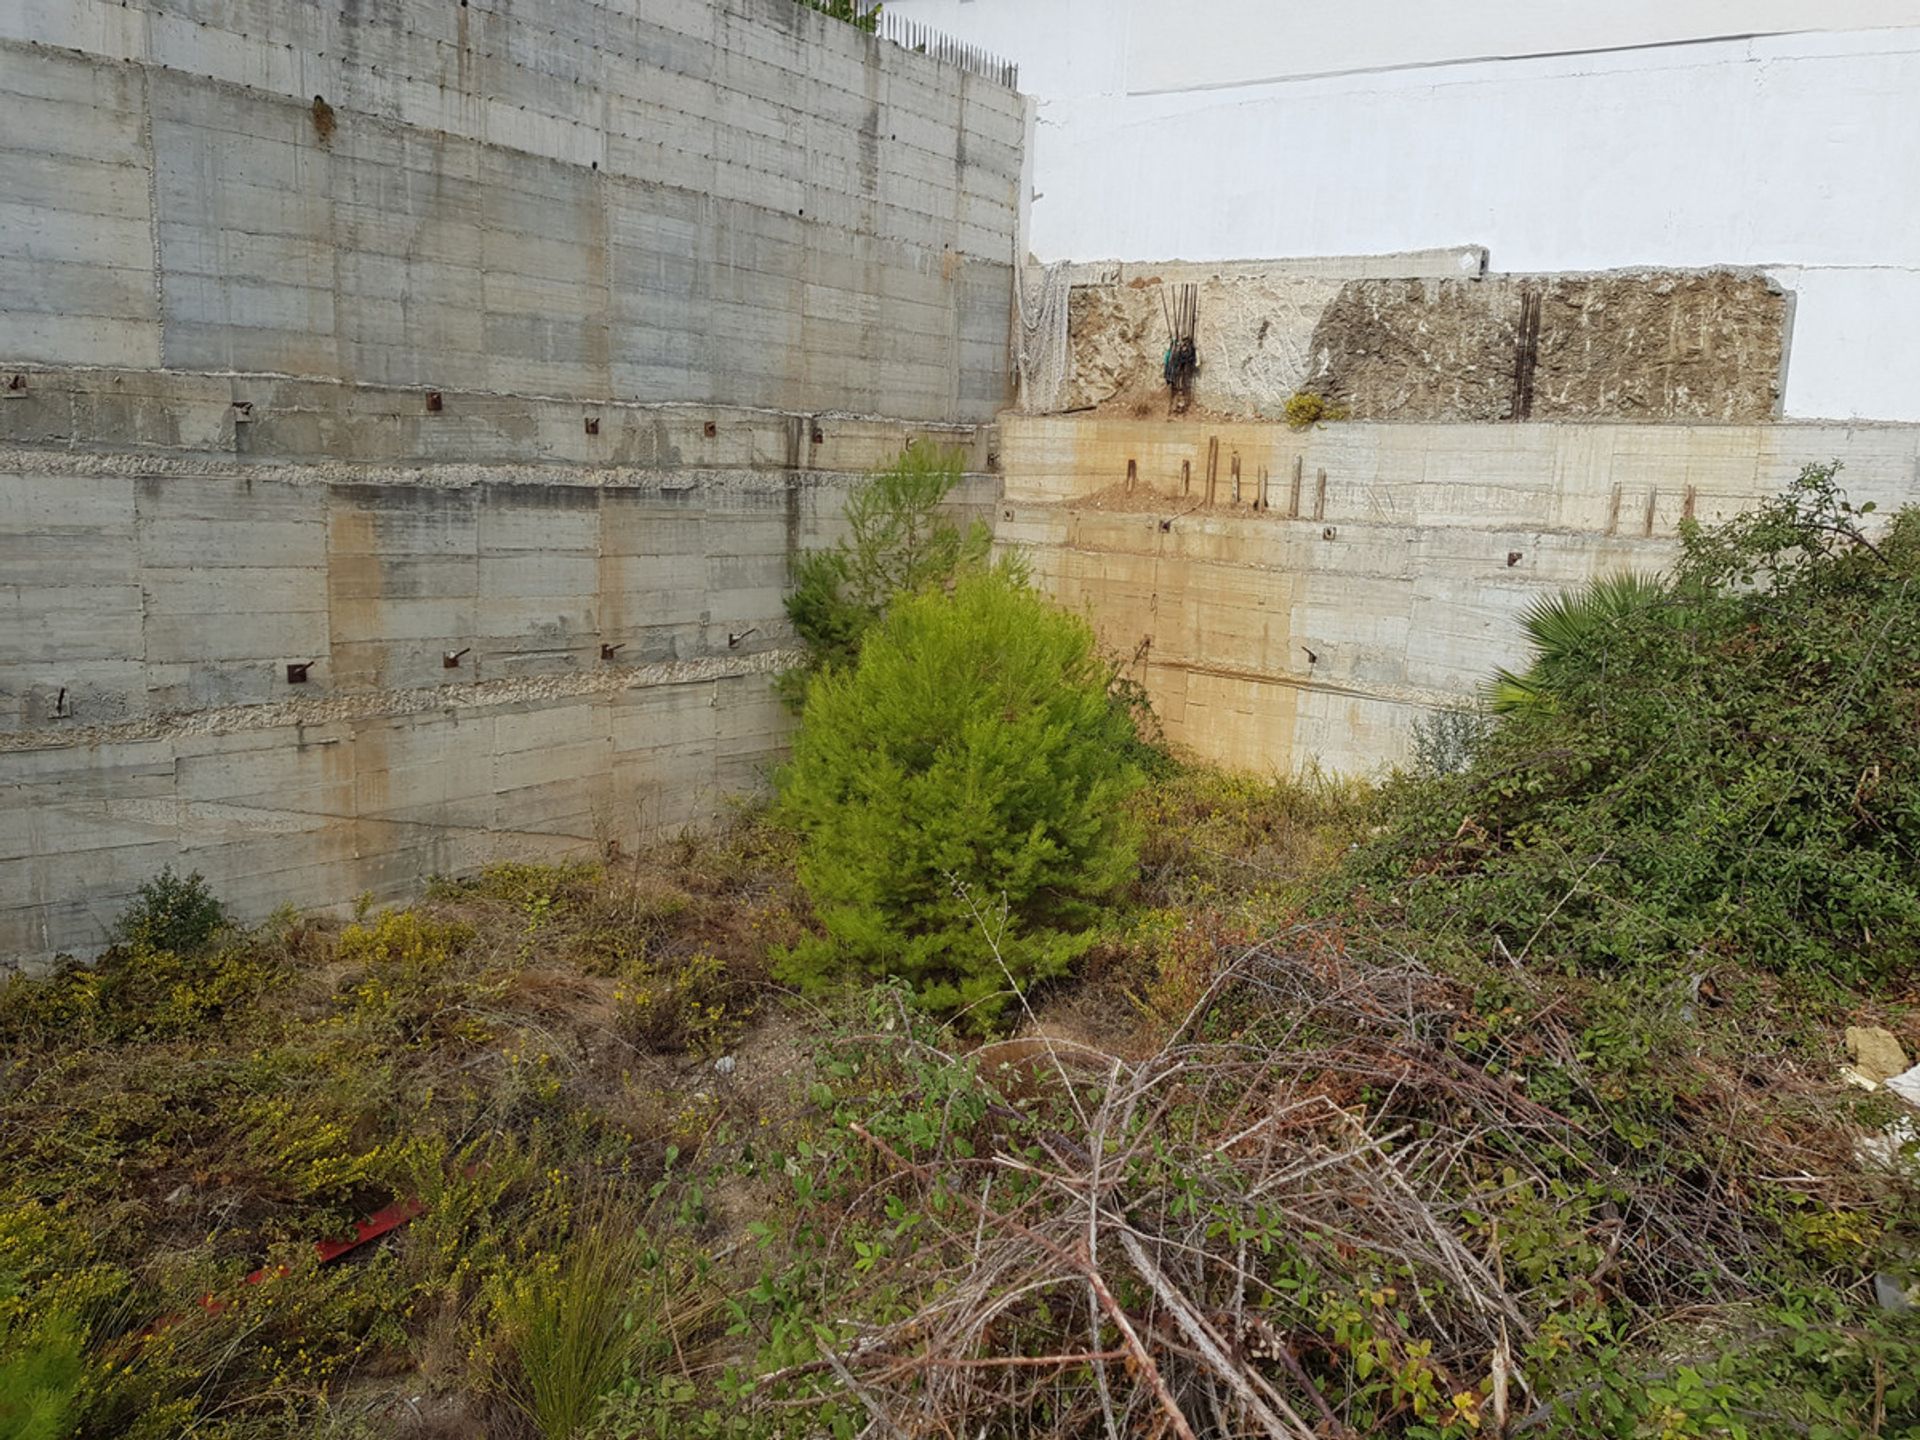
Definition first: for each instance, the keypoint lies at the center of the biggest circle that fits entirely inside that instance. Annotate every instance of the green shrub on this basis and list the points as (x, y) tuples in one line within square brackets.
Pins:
[(1719, 767), (961, 791), (1444, 740), (173, 912), (1307, 408), (683, 1005), (1569, 630), (898, 543)]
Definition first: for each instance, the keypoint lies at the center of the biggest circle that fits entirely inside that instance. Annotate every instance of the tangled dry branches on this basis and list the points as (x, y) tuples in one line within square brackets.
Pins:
[(1292, 1231)]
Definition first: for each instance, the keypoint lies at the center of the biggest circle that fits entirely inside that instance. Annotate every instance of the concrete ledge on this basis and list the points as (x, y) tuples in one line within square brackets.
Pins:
[(1453, 262), (269, 418), (1300, 598)]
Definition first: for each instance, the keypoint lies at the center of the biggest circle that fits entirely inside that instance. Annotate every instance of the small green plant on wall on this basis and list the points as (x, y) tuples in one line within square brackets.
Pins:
[(1308, 408), (861, 17)]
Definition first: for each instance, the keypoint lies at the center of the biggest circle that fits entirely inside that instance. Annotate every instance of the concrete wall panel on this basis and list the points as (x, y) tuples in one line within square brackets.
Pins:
[(151, 603), (588, 203), (420, 408), (1316, 619)]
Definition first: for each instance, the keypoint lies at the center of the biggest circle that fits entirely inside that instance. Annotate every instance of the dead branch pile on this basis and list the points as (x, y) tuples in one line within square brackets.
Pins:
[(1247, 1236)]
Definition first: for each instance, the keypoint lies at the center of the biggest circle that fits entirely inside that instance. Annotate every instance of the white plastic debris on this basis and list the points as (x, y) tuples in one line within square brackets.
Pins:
[(1906, 1086), (1895, 1149)]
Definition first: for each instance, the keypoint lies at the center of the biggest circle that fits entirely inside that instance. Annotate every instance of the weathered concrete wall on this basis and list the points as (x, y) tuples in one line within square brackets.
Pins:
[(612, 604), (1426, 337), (261, 523), (1299, 598), (728, 201), (409, 412)]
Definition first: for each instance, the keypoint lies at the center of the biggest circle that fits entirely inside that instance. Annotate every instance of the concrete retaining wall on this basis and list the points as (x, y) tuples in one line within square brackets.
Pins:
[(408, 413), (1303, 598), (731, 201), (555, 644)]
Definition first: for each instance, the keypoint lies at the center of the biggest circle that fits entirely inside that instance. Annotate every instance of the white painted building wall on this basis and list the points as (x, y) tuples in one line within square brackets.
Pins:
[(1562, 134)]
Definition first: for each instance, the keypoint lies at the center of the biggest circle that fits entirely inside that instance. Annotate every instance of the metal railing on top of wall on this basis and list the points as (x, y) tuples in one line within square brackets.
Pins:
[(912, 35)]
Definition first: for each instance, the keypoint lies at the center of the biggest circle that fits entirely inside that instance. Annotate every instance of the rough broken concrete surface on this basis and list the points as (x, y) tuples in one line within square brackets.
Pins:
[(1875, 1052), (1609, 347), (1701, 346), (1254, 337)]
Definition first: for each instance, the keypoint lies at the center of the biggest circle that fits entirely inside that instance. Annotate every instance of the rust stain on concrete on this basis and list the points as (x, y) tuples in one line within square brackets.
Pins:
[(355, 594)]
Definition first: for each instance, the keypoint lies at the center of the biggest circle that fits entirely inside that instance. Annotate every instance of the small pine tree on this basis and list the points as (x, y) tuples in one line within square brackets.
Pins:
[(42, 1378), (959, 793), (897, 543)]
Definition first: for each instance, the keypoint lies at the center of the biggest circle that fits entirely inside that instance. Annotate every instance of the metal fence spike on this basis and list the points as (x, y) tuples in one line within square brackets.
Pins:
[(948, 50)]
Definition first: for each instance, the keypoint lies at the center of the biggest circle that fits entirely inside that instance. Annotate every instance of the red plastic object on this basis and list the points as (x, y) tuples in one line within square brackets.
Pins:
[(372, 1228), (381, 1222)]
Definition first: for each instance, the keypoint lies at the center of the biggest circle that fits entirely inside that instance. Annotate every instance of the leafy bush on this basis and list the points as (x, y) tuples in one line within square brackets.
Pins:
[(898, 543), (958, 794), (688, 1005), (173, 912), (1445, 740), (1722, 765), (1569, 629)]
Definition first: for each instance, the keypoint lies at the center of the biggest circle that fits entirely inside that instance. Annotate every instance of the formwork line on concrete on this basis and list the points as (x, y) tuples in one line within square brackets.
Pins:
[(378, 705)]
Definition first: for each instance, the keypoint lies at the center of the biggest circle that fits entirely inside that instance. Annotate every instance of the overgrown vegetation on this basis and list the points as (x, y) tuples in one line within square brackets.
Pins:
[(1568, 630), (606, 1306), (1719, 768), (173, 1129), (1500, 1100), (173, 912)]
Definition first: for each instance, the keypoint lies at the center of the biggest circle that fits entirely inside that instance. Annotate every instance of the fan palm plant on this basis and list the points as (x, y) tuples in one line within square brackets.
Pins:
[(1570, 626)]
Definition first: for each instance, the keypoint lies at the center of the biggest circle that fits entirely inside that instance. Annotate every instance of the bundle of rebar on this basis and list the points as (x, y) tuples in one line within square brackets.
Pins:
[(1180, 304)]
